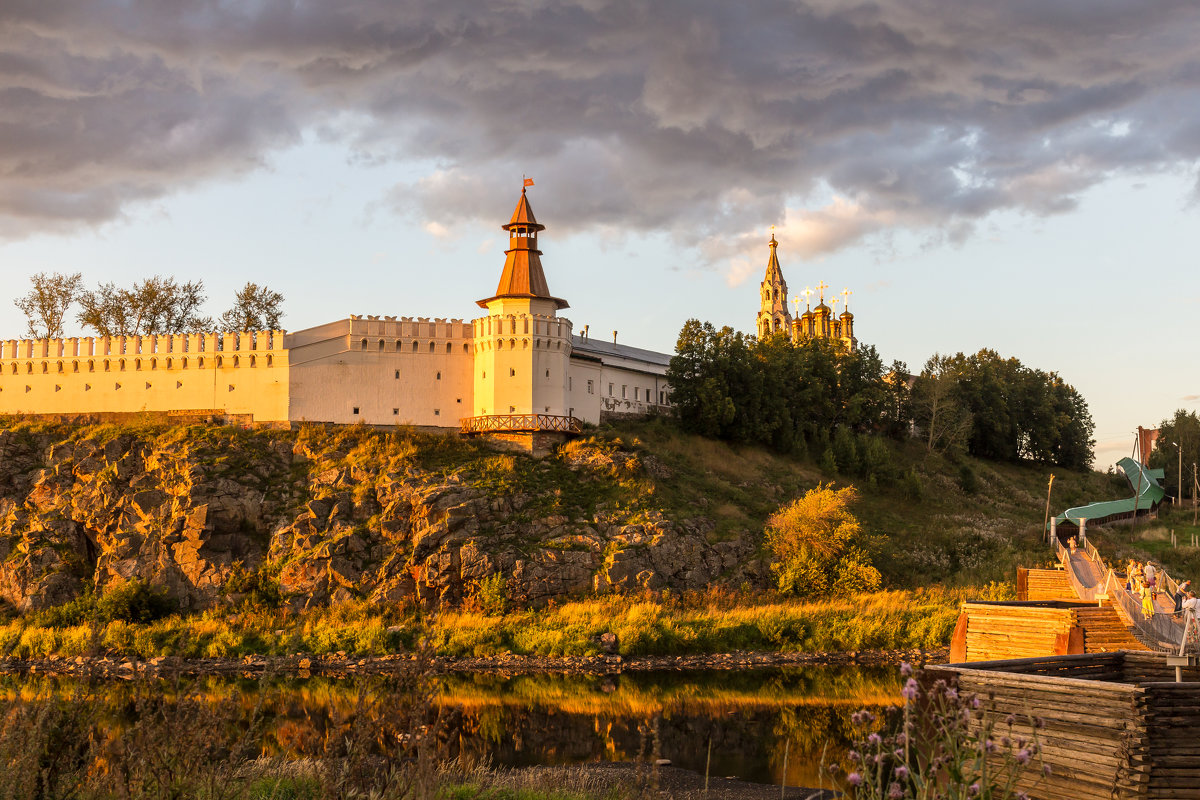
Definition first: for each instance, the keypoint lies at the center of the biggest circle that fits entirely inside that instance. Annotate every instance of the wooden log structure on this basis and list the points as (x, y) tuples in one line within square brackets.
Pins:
[(1108, 724), (1004, 630), (1044, 584)]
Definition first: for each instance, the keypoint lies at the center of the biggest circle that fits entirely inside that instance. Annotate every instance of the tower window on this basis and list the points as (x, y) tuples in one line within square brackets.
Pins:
[(395, 412), (356, 410), (512, 373), (439, 376), (437, 412), (397, 374), (547, 373), (610, 390), (623, 396), (591, 387)]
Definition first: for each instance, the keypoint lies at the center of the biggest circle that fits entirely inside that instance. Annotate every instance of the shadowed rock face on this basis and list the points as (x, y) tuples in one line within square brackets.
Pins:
[(183, 508)]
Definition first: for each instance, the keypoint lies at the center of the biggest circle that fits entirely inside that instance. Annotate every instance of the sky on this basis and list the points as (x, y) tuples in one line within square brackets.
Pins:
[(1020, 176)]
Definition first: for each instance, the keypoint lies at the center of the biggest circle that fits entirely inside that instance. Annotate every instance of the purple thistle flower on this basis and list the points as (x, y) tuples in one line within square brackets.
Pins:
[(895, 792), (854, 779), (905, 669), (1023, 757), (910, 690), (1046, 770), (974, 789), (901, 772), (874, 740)]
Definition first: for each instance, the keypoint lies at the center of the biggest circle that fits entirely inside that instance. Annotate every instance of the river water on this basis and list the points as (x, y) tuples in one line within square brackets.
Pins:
[(749, 720)]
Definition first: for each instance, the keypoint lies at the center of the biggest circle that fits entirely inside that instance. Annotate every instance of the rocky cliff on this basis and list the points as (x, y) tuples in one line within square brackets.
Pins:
[(326, 515)]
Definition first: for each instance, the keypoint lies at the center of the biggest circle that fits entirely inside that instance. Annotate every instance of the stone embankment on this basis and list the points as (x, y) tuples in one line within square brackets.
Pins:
[(325, 516), (341, 665)]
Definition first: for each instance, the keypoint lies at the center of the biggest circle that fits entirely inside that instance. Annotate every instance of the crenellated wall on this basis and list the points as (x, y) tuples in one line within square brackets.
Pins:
[(238, 373), (382, 371)]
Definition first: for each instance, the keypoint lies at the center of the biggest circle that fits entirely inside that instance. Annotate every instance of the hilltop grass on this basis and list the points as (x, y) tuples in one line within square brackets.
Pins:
[(644, 626)]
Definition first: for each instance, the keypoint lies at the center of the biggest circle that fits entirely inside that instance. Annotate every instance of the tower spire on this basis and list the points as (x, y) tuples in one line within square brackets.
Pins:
[(773, 314), (523, 275)]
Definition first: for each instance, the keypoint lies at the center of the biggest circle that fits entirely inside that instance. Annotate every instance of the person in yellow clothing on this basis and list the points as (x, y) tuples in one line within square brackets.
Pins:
[(1147, 600)]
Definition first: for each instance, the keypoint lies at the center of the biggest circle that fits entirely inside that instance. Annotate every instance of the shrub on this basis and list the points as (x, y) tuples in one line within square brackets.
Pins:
[(967, 481), (134, 601), (817, 546)]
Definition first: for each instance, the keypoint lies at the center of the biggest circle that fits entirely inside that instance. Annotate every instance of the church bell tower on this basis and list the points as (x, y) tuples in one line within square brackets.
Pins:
[(773, 315)]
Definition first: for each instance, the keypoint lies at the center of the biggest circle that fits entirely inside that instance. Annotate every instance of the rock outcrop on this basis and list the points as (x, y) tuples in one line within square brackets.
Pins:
[(335, 514)]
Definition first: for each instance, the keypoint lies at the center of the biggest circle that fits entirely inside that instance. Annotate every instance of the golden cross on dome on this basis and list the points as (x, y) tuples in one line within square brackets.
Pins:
[(834, 303), (796, 304), (821, 287), (808, 293), (846, 294)]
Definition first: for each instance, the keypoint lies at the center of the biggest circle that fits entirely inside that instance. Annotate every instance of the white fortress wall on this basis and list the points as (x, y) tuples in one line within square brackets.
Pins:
[(382, 371), (237, 373), (583, 388)]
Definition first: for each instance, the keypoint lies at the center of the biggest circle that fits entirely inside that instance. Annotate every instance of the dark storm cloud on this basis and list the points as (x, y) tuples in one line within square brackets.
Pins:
[(705, 119)]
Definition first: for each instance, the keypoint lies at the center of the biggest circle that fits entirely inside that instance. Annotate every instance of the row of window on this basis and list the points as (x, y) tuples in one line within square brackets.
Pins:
[(87, 387), (138, 364), (416, 346), (437, 412)]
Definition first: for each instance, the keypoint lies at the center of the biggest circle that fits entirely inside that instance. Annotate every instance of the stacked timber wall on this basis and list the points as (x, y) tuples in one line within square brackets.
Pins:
[(1111, 726), (991, 631), (1043, 584)]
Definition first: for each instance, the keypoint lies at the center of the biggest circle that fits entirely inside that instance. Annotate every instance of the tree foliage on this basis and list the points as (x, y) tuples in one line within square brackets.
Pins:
[(817, 544), (255, 308), (154, 306), (798, 397), (1017, 412), (45, 306), (1181, 430), (728, 385)]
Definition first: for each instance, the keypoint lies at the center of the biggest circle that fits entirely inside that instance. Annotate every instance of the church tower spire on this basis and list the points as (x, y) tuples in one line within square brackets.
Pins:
[(773, 314)]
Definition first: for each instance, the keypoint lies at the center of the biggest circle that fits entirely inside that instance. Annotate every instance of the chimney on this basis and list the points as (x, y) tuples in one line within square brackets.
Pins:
[(585, 331), (614, 337)]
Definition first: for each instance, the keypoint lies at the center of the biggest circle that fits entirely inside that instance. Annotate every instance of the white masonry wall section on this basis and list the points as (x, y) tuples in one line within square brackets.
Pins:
[(382, 371)]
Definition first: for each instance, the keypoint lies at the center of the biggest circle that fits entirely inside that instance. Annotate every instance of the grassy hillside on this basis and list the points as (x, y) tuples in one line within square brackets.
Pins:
[(928, 528)]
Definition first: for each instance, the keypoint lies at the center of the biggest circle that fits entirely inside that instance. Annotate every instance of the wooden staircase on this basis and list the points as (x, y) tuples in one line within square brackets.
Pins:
[(1104, 631)]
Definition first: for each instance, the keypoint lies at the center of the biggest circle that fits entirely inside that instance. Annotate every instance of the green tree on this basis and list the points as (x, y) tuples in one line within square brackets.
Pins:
[(255, 308), (817, 544), (154, 306), (1181, 430), (944, 424), (45, 306)]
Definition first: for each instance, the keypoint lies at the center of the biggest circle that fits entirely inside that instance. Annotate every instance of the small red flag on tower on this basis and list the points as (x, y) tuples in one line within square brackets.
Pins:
[(529, 181)]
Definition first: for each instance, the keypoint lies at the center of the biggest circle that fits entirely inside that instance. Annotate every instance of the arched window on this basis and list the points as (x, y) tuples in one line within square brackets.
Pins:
[(432, 345), (363, 344), (448, 347), (122, 363), (74, 366), (414, 345), (220, 361), (154, 363), (237, 361), (381, 344), (183, 363), (466, 347), (399, 345), (270, 361), (253, 361)]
